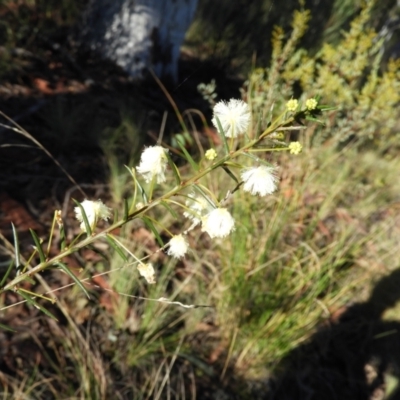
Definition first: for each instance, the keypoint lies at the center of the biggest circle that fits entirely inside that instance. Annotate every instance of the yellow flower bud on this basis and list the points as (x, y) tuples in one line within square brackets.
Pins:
[(211, 154)]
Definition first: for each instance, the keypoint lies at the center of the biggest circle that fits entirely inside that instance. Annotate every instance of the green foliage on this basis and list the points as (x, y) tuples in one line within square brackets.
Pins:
[(25, 21), (348, 74), (244, 40), (247, 28), (25, 25)]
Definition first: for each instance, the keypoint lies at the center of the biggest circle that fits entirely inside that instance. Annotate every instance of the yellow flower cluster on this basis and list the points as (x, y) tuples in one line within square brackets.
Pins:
[(211, 154), (295, 148), (292, 105), (311, 104)]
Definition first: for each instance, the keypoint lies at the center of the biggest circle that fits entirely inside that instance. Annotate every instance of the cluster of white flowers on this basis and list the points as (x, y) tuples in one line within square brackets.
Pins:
[(94, 210), (178, 246), (197, 208), (153, 163), (147, 271), (259, 180), (218, 223), (234, 118)]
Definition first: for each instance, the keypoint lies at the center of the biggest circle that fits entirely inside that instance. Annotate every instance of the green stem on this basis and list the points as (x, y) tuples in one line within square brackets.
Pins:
[(69, 250)]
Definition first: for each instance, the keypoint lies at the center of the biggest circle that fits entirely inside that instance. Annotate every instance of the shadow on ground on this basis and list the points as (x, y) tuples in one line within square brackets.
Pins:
[(349, 358)]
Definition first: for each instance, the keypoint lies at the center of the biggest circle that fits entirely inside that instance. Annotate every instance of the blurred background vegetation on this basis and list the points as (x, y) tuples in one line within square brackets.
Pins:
[(297, 260), (239, 32)]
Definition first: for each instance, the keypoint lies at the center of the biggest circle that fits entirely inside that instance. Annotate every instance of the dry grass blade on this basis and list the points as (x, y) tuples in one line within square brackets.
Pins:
[(26, 134)]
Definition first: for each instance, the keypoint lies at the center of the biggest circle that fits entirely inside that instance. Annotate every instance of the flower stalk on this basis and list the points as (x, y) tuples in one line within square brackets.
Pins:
[(218, 223)]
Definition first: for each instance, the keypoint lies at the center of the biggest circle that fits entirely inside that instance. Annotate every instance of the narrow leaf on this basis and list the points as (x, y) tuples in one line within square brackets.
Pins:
[(16, 247), (126, 209), (309, 118), (29, 280), (7, 328), (150, 224), (258, 159), (102, 254), (64, 268), (258, 127), (45, 311), (203, 191), (115, 215), (174, 168), (132, 172), (222, 135), (230, 173), (63, 238), (38, 245), (84, 217), (233, 164), (52, 232), (326, 108), (31, 301), (188, 138), (115, 246), (188, 157), (143, 193), (172, 212), (3, 280)]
